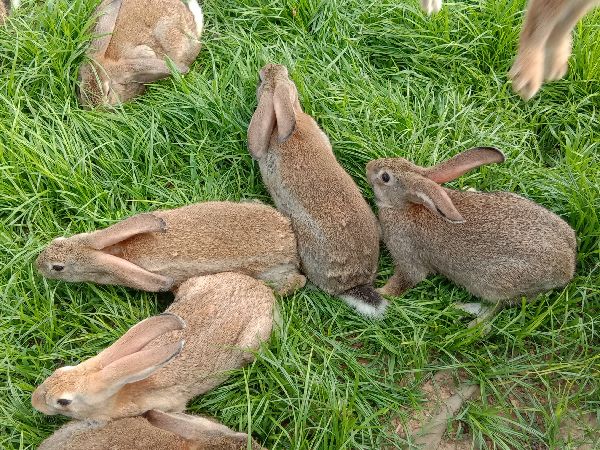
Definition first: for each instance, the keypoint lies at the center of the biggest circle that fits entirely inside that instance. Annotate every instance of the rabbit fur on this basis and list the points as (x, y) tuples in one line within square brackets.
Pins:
[(498, 245), (157, 430), (6, 6), (157, 251), (337, 233), (545, 42), (166, 360), (133, 39)]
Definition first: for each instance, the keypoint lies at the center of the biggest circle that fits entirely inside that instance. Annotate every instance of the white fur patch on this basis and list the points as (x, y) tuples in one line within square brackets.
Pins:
[(15, 3), (431, 6), (196, 11), (364, 309)]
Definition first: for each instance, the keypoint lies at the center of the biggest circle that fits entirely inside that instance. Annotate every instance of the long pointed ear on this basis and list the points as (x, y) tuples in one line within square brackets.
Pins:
[(138, 336), (185, 425), (261, 126), (284, 112), (145, 70), (433, 196), (136, 366), (108, 11), (463, 162), (141, 223), (130, 275)]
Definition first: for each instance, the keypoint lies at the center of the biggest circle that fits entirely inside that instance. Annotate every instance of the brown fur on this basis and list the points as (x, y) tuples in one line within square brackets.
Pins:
[(224, 315), (505, 247), (198, 239), (137, 433), (545, 42), (143, 34), (337, 233), (3, 11)]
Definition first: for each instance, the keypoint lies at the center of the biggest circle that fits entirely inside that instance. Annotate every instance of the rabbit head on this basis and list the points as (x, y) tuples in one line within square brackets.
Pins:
[(397, 182), (88, 390), (277, 106), (108, 82), (86, 256)]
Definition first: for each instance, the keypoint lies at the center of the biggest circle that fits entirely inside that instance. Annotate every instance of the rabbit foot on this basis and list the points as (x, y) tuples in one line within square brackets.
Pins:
[(557, 60), (527, 73), (431, 6)]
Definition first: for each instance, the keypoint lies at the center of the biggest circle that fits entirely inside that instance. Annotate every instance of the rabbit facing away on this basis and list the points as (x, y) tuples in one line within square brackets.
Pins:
[(157, 251), (337, 233), (498, 245), (212, 327), (133, 38), (545, 43), (156, 430)]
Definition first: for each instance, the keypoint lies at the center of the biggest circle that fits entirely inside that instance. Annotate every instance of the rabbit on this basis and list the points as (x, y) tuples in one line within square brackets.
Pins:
[(545, 43), (156, 430), (133, 38), (498, 245), (157, 251), (212, 327), (337, 233), (6, 6)]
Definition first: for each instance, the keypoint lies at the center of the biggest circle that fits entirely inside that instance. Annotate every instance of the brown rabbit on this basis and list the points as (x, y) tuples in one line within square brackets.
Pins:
[(165, 361), (337, 233), (498, 245), (156, 431), (545, 42), (133, 39), (157, 251), (6, 6)]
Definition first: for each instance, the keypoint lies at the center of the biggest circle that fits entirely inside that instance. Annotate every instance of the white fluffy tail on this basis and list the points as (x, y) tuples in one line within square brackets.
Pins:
[(366, 300), (196, 11)]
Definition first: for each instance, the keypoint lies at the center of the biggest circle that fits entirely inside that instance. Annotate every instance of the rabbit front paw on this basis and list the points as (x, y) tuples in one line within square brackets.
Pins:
[(431, 6), (527, 73)]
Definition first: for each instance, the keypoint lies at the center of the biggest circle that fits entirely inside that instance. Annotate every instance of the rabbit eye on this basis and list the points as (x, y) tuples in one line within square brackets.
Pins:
[(63, 401), (57, 267), (385, 177)]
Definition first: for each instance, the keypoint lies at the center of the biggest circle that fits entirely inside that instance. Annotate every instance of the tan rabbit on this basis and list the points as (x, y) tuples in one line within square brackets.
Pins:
[(545, 42), (166, 360), (134, 38), (498, 245), (337, 233), (156, 431), (157, 251)]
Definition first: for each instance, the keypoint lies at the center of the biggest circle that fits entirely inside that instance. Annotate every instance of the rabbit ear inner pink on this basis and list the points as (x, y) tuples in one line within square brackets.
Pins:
[(105, 25), (141, 223), (138, 336), (463, 162), (136, 366), (433, 197)]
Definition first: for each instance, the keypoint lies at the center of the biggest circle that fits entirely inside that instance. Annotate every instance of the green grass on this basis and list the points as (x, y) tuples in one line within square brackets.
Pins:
[(382, 80)]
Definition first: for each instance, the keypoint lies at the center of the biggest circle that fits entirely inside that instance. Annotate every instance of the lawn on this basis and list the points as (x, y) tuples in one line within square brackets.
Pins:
[(381, 79)]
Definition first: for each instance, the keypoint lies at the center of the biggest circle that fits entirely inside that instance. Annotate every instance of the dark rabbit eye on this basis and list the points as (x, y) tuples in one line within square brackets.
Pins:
[(63, 402), (385, 177), (57, 267)]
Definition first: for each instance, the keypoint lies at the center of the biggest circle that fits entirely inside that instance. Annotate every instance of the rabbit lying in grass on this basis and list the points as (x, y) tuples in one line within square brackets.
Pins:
[(545, 42), (134, 37), (338, 235), (498, 245), (156, 431), (165, 361), (157, 251)]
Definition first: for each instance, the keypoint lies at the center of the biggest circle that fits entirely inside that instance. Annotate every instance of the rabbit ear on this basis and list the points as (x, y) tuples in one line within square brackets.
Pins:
[(284, 112), (130, 275), (463, 162), (277, 108), (433, 196), (138, 336), (136, 366), (146, 70), (142, 223), (108, 12), (186, 426)]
